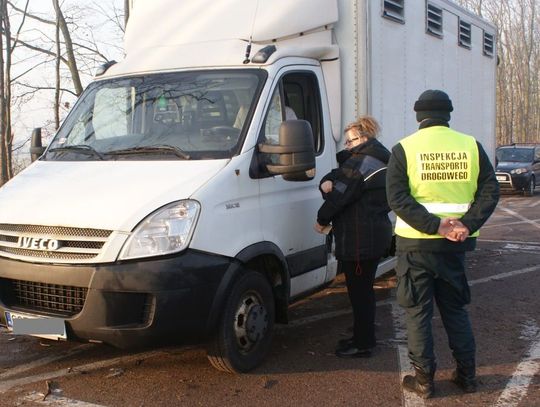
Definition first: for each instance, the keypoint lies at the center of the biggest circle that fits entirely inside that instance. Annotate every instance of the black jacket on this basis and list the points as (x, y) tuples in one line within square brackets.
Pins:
[(406, 207), (357, 206)]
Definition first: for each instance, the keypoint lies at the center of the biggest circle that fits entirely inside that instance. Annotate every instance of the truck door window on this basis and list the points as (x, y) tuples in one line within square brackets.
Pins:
[(301, 93), (274, 117), (296, 97)]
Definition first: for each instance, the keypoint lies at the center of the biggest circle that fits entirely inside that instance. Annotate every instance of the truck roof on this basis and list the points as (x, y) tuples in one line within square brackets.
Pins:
[(161, 35), (164, 23)]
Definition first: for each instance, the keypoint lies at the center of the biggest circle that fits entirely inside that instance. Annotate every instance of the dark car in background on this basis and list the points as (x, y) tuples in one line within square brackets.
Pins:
[(518, 167)]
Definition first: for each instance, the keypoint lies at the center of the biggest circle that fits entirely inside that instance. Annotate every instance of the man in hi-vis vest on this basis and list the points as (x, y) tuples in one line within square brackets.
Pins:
[(442, 187)]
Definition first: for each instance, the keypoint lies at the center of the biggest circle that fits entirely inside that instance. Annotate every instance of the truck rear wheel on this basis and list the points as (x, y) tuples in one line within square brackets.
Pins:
[(244, 333)]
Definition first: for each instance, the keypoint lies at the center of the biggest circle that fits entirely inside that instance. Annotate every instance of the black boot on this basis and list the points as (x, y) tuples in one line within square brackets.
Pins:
[(421, 383), (465, 376)]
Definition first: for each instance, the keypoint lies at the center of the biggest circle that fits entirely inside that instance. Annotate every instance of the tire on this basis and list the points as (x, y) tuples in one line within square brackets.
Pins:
[(245, 329), (529, 191)]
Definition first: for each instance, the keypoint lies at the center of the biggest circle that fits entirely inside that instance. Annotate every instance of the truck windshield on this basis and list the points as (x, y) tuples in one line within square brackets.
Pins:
[(519, 155), (172, 116)]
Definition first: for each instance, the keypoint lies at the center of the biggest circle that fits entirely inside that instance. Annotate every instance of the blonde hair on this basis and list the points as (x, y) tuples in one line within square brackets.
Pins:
[(365, 126)]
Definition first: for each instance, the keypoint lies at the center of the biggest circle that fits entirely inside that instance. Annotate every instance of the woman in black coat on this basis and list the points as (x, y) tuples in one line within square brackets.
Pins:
[(355, 204)]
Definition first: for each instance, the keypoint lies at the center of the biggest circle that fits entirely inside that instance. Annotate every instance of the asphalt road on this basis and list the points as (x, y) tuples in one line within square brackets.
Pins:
[(504, 273)]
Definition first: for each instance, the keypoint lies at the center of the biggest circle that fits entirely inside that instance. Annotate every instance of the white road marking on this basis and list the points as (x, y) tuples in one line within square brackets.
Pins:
[(534, 203), (43, 361), (55, 401), (513, 246), (326, 315), (8, 384), (517, 215), (508, 241), (500, 276), (398, 316), (517, 387), (519, 222)]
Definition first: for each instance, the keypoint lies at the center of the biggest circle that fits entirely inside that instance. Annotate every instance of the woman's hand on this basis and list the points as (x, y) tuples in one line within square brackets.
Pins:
[(318, 227), (327, 186)]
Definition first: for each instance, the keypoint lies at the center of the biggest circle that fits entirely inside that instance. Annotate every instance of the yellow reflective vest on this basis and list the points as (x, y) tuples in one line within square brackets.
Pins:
[(443, 167)]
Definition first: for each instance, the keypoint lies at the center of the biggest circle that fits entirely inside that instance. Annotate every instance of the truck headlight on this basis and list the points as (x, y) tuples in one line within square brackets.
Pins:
[(518, 171), (166, 231)]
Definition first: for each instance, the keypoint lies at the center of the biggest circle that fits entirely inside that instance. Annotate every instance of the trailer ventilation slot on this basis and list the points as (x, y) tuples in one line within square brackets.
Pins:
[(434, 20), (464, 34), (54, 299), (394, 10), (488, 44)]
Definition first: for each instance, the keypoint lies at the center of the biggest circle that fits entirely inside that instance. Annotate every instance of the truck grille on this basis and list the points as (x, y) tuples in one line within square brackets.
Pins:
[(51, 243), (42, 297)]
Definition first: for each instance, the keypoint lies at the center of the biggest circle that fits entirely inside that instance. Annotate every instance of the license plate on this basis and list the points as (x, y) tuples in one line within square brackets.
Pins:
[(501, 178), (36, 325)]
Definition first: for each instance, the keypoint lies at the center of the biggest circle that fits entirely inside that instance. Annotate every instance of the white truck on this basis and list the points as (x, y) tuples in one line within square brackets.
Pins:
[(178, 198)]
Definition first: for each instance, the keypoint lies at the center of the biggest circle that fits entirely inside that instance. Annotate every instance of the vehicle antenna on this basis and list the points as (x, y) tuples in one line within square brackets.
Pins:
[(248, 51), (248, 48)]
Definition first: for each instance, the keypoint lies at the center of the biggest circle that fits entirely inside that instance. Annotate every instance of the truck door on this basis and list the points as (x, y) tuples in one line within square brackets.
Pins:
[(289, 208)]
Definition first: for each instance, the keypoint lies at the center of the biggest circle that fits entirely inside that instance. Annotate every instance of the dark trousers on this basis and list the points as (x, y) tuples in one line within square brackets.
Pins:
[(425, 278), (362, 296)]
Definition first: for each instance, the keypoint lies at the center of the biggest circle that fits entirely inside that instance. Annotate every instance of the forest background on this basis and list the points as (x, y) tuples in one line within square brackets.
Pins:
[(50, 50)]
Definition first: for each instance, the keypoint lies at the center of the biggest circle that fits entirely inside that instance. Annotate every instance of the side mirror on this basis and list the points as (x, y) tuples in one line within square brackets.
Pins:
[(36, 148), (295, 151)]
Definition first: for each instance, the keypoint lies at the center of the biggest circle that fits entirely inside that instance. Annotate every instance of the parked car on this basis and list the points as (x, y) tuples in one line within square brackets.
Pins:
[(518, 167)]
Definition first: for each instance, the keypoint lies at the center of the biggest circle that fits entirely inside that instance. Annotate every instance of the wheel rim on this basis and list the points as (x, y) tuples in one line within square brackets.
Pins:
[(531, 186), (250, 322)]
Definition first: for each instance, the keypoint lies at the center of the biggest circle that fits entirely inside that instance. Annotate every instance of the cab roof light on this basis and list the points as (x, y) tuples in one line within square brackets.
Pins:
[(103, 68), (263, 54)]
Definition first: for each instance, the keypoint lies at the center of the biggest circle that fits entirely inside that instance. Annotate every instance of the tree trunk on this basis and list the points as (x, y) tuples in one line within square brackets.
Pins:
[(6, 138), (57, 71), (126, 12), (72, 62)]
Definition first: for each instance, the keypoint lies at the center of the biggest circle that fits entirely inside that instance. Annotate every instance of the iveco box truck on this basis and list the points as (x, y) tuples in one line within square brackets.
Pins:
[(178, 198)]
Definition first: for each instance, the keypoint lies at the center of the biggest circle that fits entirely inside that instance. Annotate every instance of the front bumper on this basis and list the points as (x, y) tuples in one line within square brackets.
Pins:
[(128, 304), (513, 182)]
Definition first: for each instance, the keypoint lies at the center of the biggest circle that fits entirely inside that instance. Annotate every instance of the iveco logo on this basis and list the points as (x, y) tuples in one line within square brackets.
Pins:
[(38, 244)]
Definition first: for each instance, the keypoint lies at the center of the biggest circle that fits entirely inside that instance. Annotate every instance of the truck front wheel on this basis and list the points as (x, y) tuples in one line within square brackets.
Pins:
[(244, 333)]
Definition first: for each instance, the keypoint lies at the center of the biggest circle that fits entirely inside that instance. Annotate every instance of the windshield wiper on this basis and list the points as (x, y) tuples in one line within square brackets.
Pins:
[(164, 148), (79, 148)]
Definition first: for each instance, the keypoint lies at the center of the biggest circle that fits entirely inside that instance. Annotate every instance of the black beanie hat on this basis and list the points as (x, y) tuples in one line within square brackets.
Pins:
[(433, 104)]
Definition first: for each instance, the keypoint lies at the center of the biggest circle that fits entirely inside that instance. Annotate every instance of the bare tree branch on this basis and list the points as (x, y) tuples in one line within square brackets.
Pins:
[(42, 20), (42, 50), (13, 80), (38, 88)]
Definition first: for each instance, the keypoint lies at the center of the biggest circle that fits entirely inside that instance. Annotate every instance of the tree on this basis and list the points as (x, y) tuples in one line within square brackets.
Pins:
[(68, 43), (66, 50), (7, 47), (4, 25), (518, 52)]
